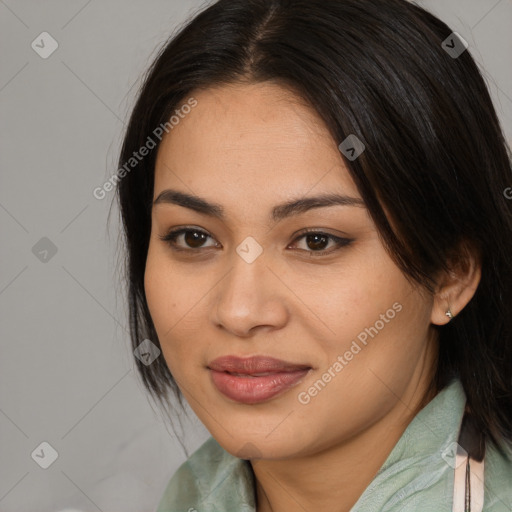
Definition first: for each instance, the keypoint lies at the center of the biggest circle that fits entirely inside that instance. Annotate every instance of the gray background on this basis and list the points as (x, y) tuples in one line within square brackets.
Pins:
[(67, 375)]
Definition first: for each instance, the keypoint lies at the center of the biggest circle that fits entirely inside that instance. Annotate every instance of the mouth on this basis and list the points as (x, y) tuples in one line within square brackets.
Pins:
[(255, 379)]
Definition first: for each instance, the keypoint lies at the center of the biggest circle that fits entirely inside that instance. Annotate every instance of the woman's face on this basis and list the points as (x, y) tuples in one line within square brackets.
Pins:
[(251, 284)]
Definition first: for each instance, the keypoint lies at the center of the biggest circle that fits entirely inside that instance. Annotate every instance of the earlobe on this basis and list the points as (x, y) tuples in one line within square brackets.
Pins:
[(455, 289), (442, 312)]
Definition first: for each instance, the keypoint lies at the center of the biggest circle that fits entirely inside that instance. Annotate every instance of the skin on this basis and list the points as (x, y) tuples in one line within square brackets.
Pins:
[(249, 148)]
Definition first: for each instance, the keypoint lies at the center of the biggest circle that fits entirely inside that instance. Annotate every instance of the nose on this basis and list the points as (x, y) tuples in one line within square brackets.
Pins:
[(250, 298)]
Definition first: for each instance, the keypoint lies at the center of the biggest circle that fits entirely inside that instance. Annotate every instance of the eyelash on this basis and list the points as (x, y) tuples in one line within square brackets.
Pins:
[(171, 236)]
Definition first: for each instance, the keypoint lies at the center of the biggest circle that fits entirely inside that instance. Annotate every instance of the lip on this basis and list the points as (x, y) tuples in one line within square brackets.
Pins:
[(254, 364), (250, 388)]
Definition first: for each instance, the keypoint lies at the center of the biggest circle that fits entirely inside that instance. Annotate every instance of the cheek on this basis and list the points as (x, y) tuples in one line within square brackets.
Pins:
[(174, 302), (158, 292), (169, 292), (383, 338), (361, 380), (373, 318), (351, 297)]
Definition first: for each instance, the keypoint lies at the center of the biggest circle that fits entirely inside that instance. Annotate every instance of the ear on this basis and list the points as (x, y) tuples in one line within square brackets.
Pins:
[(456, 287)]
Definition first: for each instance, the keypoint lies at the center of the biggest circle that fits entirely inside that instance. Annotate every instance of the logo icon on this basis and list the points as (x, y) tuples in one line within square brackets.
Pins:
[(454, 455), (44, 250), (44, 45), (249, 249), (454, 45), (146, 352), (45, 455), (352, 147)]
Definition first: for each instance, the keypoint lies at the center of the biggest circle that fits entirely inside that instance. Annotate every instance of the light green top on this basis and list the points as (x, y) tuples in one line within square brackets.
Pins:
[(416, 476)]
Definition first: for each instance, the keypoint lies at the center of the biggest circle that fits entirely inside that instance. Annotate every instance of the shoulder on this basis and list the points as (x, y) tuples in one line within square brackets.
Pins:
[(209, 477), (498, 478)]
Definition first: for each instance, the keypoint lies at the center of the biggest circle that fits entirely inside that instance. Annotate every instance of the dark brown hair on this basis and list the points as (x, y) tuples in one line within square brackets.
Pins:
[(436, 160)]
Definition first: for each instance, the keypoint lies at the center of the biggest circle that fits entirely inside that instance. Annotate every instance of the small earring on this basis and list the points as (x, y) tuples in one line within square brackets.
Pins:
[(449, 313)]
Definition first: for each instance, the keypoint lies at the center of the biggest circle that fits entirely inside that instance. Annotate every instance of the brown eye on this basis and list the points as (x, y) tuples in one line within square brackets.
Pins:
[(191, 238), (317, 241), (194, 238)]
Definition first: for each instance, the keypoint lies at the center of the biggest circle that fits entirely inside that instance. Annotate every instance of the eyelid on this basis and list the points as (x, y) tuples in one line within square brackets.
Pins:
[(321, 231), (174, 233), (340, 241)]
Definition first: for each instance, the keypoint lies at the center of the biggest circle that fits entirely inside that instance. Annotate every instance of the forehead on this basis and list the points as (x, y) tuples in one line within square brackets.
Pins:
[(258, 140)]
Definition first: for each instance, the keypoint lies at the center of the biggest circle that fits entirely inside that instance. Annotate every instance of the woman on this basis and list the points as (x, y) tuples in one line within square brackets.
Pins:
[(318, 242)]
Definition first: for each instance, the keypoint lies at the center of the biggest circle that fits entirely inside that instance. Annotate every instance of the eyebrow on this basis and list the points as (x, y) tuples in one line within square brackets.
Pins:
[(279, 212)]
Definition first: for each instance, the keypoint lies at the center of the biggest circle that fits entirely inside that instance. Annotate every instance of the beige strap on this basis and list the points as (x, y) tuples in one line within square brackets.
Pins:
[(468, 484)]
